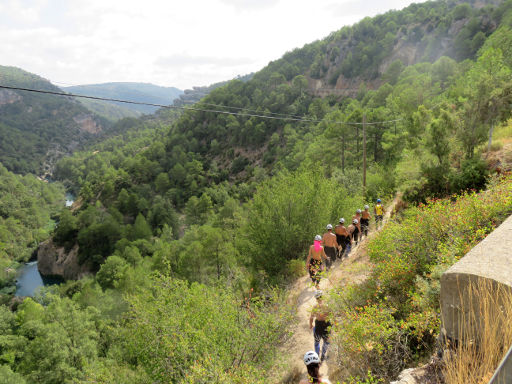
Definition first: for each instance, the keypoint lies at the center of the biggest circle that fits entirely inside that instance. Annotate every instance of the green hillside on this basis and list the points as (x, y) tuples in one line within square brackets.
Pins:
[(440, 114), (140, 92), (37, 129)]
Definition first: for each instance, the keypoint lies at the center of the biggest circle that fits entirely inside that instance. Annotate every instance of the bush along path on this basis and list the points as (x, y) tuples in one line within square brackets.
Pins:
[(351, 270)]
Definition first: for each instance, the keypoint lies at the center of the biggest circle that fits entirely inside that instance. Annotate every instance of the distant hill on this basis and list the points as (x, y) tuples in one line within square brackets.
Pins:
[(140, 92), (109, 111), (37, 129), (191, 96)]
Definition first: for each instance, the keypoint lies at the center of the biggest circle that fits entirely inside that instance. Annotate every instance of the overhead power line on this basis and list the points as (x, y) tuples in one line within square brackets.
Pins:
[(289, 118), (251, 110)]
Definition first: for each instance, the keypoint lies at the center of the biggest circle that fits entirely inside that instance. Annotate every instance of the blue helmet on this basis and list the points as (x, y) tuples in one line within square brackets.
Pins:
[(378, 200)]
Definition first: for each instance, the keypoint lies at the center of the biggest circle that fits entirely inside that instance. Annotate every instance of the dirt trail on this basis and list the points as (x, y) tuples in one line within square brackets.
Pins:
[(353, 269)]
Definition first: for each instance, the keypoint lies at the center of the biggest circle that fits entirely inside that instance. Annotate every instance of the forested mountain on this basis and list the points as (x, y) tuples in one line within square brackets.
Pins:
[(37, 129), (140, 92), (440, 113), (349, 62), (194, 220)]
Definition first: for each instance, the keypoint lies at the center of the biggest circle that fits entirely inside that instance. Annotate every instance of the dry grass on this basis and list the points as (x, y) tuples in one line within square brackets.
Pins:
[(486, 329)]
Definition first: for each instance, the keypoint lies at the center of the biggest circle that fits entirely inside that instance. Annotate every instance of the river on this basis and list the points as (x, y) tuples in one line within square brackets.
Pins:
[(29, 278)]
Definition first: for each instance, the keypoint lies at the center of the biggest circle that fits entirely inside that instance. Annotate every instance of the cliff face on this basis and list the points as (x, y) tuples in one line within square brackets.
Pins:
[(8, 97), (54, 261)]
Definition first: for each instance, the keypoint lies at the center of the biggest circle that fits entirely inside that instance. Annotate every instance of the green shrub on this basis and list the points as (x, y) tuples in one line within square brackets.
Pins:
[(296, 269), (473, 175), (174, 329)]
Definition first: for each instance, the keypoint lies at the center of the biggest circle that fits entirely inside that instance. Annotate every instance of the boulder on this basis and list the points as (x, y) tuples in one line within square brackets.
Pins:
[(490, 263), (55, 261), (406, 377)]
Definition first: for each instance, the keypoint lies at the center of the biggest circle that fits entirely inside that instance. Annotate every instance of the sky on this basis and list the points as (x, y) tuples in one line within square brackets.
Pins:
[(165, 42)]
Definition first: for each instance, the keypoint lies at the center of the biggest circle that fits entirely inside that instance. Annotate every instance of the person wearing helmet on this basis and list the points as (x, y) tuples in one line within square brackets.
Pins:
[(342, 237), (379, 213), (357, 217), (330, 245), (365, 221), (314, 263), (353, 232), (320, 314), (312, 362)]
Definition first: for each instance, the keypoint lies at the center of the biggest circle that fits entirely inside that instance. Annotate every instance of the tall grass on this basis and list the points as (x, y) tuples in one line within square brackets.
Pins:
[(503, 131), (485, 326)]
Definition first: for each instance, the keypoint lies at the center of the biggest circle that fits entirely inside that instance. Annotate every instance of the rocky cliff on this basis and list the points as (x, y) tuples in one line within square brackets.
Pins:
[(54, 261)]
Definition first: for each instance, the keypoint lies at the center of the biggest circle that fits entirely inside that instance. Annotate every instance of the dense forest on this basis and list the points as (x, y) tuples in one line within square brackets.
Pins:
[(38, 129), (194, 222), (28, 208)]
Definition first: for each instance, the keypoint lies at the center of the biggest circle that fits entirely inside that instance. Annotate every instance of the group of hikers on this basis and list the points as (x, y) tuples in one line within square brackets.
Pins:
[(329, 247)]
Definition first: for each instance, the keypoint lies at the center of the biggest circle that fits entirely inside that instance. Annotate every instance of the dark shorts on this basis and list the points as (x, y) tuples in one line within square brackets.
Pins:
[(340, 239), (365, 222), (322, 330), (330, 252), (378, 217), (315, 267)]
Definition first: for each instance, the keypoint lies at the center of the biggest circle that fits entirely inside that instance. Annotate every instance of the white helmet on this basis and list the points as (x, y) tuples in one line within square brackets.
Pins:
[(355, 221), (342, 220), (358, 211), (311, 357), (318, 294), (318, 238), (366, 207), (329, 226)]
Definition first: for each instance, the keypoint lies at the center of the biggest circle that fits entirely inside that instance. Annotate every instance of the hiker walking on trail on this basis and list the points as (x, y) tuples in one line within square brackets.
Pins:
[(314, 262), (365, 221), (353, 233), (357, 217), (330, 245), (342, 237), (379, 213), (312, 362), (320, 314), (353, 230)]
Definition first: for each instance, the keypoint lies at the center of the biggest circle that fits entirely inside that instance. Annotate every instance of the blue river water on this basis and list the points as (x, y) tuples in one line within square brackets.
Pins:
[(29, 278)]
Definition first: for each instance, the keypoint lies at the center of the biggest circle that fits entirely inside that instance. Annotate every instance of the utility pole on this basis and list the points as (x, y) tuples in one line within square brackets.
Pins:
[(364, 154), (490, 140)]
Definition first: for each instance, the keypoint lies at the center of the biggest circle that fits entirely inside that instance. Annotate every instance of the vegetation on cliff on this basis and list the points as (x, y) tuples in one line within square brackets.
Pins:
[(27, 209)]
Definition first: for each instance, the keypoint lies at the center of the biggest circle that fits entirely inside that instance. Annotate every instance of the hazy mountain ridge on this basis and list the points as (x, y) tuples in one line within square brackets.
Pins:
[(191, 96), (130, 91)]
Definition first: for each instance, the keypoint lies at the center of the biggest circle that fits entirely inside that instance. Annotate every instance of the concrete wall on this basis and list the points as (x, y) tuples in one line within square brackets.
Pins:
[(491, 262), (503, 374)]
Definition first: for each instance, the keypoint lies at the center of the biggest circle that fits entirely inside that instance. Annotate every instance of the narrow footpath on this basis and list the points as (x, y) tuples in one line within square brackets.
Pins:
[(354, 269)]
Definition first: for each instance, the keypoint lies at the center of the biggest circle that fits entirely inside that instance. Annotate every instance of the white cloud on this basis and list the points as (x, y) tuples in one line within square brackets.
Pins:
[(179, 60), (365, 8), (182, 44), (246, 5)]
